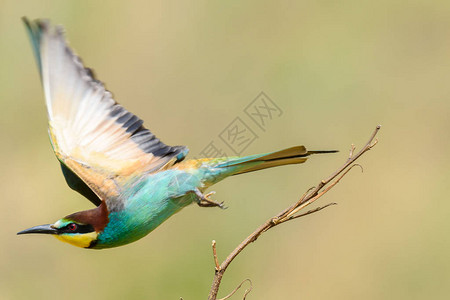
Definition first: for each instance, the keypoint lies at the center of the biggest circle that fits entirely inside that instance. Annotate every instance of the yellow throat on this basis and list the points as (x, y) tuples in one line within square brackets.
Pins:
[(82, 240)]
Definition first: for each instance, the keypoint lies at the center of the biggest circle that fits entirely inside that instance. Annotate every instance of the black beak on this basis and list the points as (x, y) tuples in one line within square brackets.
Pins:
[(48, 229)]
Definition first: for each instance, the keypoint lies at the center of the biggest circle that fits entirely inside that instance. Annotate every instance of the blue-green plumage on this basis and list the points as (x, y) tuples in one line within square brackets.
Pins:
[(149, 202)]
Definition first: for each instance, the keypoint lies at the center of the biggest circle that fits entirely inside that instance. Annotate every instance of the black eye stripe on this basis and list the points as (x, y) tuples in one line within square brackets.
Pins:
[(80, 228)]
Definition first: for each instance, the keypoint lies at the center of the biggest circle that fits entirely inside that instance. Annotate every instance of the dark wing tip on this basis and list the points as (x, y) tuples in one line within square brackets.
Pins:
[(322, 151), (36, 25), (143, 137), (26, 21), (35, 29)]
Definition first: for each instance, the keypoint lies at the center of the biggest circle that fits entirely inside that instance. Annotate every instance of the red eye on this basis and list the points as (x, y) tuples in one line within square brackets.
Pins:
[(72, 226)]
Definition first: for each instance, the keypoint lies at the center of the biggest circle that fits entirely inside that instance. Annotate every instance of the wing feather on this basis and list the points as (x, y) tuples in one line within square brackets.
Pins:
[(98, 139)]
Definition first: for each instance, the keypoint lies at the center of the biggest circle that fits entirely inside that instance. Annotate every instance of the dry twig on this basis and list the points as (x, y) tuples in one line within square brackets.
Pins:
[(237, 288), (290, 213)]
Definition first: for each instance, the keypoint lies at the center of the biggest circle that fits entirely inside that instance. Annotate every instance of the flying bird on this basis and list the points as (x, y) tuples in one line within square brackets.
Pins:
[(108, 156)]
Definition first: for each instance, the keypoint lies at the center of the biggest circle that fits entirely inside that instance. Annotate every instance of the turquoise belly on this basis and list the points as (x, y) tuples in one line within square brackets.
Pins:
[(150, 201)]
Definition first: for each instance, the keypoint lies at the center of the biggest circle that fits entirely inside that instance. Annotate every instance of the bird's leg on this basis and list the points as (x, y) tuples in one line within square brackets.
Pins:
[(206, 201)]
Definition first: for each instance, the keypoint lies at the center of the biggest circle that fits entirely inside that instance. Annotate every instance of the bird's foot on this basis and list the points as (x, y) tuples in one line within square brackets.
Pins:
[(206, 201)]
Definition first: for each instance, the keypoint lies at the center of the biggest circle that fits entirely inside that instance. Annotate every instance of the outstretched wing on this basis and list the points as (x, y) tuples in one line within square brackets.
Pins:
[(98, 142)]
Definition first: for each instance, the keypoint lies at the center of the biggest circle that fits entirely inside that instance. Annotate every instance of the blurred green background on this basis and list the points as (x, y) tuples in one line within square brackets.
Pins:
[(335, 68)]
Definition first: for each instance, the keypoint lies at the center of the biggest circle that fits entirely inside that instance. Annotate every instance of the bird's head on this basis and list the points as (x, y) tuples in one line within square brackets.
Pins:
[(69, 231), (80, 229)]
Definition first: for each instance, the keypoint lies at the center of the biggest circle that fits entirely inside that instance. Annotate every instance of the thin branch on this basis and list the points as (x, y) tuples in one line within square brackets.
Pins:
[(312, 211), (216, 261), (298, 202), (310, 196), (247, 291), (352, 150), (369, 145), (307, 202)]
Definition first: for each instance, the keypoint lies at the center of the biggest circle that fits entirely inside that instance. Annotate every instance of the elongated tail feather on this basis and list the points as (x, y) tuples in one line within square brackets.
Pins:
[(293, 155)]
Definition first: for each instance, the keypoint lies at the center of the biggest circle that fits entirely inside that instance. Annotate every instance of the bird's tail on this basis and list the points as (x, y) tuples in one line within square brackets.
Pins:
[(293, 155)]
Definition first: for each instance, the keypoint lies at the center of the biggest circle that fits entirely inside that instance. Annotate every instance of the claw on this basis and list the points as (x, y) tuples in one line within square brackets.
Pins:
[(206, 201)]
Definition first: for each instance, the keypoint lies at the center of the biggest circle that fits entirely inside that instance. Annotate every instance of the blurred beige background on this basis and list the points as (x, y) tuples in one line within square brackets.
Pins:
[(335, 68)]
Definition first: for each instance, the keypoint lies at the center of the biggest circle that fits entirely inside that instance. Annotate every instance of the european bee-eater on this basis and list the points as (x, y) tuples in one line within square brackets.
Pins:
[(107, 155)]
